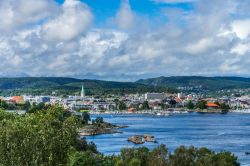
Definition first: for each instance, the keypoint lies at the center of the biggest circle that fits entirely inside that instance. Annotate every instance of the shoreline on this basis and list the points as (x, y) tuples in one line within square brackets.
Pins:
[(167, 113)]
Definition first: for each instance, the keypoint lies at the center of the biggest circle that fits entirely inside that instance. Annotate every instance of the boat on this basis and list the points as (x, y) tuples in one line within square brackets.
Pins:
[(158, 114), (162, 114)]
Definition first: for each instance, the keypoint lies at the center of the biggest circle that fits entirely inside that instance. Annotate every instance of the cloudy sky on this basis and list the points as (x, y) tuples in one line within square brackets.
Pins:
[(124, 39)]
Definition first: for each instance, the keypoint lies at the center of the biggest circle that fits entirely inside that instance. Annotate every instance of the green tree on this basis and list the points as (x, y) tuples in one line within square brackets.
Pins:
[(224, 106), (182, 156), (127, 154), (42, 138), (172, 103), (158, 156), (122, 105), (135, 162), (201, 104), (3, 104), (85, 117), (85, 158), (145, 105), (26, 105), (38, 107), (190, 105), (163, 105)]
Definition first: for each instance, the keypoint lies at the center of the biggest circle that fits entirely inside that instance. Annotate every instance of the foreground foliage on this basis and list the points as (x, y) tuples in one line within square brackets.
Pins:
[(42, 138), (159, 156), (49, 137)]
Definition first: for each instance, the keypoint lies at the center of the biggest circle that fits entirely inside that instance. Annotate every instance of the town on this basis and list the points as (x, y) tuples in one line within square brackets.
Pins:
[(153, 103)]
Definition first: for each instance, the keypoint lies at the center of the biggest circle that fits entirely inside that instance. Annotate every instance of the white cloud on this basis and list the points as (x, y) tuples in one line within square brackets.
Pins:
[(230, 65), (241, 49), (125, 17), (209, 40), (201, 46), (72, 22), (15, 14), (241, 28)]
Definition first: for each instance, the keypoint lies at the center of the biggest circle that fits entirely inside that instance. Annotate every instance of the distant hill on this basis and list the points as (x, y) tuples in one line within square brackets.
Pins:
[(65, 86), (72, 86), (207, 83)]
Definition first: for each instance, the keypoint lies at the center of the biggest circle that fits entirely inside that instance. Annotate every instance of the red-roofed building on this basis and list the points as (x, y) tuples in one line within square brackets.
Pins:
[(178, 100), (212, 105), (131, 110), (17, 99)]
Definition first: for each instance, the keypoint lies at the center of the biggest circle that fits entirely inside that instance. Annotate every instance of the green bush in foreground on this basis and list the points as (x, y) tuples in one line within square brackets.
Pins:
[(159, 156), (41, 138), (49, 138)]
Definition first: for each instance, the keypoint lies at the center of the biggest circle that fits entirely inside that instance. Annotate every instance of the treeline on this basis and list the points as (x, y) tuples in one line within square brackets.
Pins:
[(159, 156), (70, 86), (199, 83), (49, 137), (27, 106), (88, 91)]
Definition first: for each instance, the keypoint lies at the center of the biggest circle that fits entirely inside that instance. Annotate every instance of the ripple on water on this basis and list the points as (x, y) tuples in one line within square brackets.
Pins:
[(216, 131)]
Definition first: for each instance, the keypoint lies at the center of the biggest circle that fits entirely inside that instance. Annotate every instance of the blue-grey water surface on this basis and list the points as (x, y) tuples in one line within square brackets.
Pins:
[(218, 132)]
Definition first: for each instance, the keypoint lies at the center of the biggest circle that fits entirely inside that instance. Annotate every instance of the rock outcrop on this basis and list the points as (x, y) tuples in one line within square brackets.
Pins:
[(101, 128), (140, 139)]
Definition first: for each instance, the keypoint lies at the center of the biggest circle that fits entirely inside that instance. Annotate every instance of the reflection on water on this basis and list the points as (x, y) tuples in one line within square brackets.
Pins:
[(216, 131)]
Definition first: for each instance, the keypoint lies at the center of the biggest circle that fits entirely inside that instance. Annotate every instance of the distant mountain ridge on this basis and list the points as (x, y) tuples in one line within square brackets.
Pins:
[(45, 82), (64, 85), (208, 83), (67, 86)]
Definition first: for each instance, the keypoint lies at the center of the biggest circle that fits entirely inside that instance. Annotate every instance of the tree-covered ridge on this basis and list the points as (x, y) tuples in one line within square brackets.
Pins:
[(71, 86), (208, 83), (49, 137)]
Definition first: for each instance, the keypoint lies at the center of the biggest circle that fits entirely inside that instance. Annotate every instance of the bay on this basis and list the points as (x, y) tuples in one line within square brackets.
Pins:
[(218, 132)]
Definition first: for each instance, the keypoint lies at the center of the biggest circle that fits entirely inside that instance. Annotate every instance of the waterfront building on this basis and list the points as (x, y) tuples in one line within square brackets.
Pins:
[(17, 99), (211, 105)]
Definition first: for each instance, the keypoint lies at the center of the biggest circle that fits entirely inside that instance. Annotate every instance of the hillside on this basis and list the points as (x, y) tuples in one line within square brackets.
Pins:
[(198, 82), (70, 86)]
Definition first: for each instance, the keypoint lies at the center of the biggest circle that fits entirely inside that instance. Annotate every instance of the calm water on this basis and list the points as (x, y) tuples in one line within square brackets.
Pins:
[(216, 131)]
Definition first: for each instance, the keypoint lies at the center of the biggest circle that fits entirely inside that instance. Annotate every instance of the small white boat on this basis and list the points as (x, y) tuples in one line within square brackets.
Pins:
[(158, 114), (162, 114)]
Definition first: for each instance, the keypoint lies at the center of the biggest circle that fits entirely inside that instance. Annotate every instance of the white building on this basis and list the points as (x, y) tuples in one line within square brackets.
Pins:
[(154, 96)]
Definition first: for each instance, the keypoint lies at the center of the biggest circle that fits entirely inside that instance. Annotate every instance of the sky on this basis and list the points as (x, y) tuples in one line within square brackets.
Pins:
[(124, 40)]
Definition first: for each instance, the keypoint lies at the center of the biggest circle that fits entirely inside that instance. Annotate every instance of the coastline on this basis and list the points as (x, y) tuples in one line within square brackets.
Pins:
[(173, 112)]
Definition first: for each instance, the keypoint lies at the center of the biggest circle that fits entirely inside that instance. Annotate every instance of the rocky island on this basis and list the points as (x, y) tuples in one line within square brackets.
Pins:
[(141, 139), (98, 127)]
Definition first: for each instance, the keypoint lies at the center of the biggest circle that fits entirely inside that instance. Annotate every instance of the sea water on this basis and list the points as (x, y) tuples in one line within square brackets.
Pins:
[(218, 132)]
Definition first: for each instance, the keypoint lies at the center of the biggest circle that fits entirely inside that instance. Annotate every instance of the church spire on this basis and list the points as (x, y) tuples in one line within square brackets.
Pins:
[(82, 92)]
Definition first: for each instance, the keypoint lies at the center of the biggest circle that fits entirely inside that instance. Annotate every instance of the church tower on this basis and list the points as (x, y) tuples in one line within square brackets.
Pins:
[(82, 92)]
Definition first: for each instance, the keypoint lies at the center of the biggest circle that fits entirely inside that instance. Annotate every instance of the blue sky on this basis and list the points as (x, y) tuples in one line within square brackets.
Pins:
[(124, 39), (105, 9)]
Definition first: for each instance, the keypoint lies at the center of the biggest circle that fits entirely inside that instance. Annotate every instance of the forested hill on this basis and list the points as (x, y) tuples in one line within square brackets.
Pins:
[(208, 83), (71, 86)]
